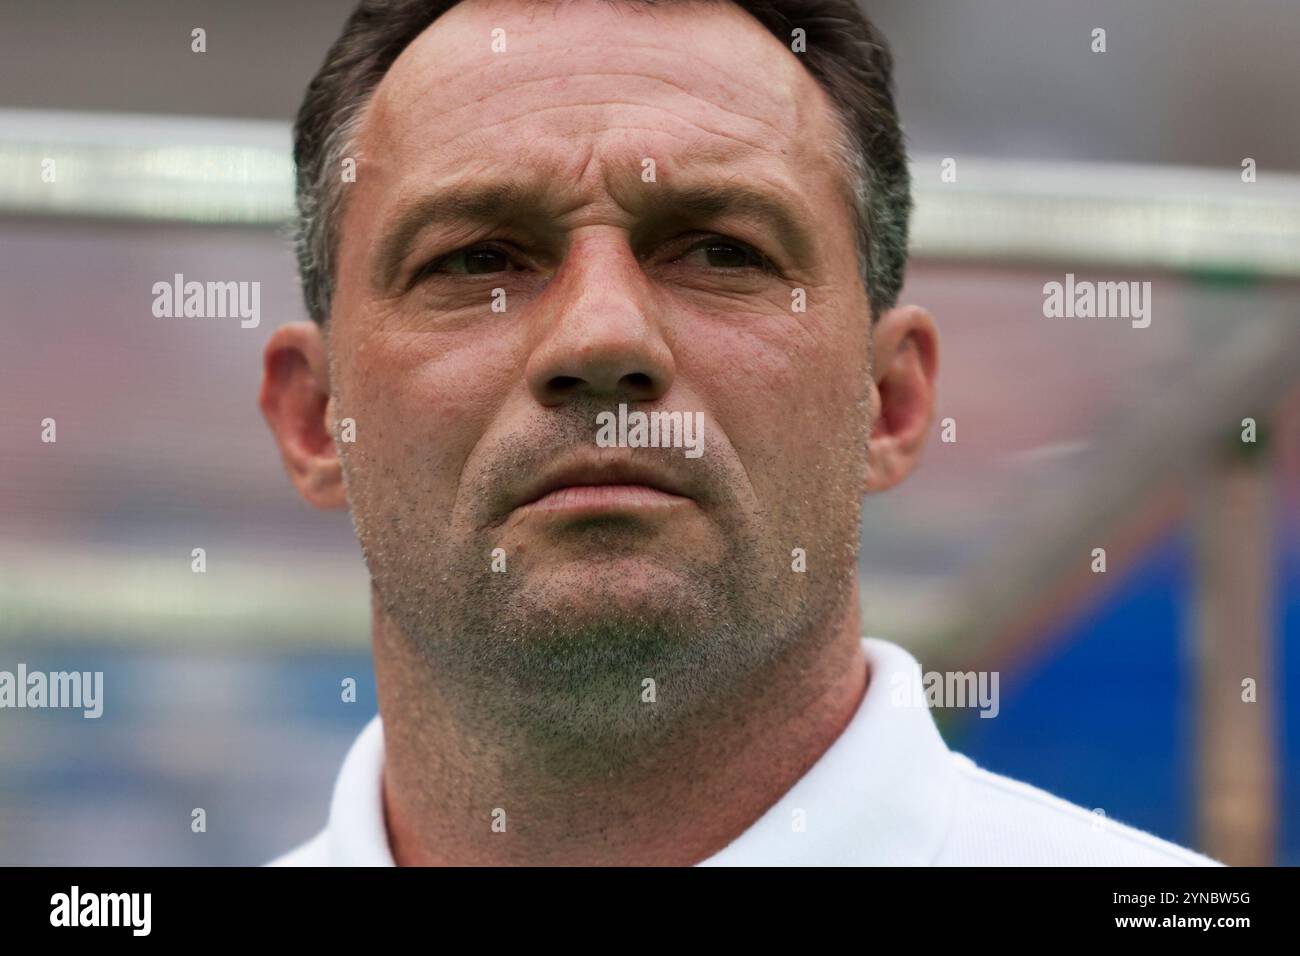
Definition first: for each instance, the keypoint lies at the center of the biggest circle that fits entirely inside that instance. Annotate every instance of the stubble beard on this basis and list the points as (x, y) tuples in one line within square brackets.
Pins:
[(597, 680)]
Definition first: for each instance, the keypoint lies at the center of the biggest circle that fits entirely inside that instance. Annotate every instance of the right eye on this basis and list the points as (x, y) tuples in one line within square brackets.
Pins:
[(483, 259)]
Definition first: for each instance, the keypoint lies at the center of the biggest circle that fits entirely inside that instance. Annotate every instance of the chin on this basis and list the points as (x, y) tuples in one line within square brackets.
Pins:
[(626, 589)]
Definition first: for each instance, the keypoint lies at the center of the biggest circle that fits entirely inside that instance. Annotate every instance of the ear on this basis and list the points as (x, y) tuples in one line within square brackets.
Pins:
[(295, 399), (905, 348)]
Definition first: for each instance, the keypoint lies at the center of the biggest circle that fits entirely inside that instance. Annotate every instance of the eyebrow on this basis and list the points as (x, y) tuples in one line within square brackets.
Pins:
[(493, 202), (711, 200), (506, 203)]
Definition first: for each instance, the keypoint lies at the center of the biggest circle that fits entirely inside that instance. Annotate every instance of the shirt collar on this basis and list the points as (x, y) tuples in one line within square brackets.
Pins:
[(882, 794), (357, 834)]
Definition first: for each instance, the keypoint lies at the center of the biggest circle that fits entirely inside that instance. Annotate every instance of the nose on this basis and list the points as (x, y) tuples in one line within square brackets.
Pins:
[(598, 333)]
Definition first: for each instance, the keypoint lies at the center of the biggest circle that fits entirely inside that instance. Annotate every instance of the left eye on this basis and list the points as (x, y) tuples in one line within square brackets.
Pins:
[(728, 254)]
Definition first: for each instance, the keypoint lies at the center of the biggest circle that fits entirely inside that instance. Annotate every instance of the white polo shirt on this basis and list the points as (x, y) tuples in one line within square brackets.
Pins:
[(887, 792)]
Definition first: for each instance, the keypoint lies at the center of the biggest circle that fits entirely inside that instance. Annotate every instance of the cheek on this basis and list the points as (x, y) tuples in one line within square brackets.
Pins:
[(789, 395), (421, 404)]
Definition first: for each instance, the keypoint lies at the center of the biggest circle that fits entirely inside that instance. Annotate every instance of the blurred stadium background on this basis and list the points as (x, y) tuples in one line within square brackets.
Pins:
[(1120, 691)]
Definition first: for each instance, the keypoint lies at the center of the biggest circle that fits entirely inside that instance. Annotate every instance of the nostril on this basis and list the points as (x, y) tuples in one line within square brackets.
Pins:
[(561, 384), (638, 381)]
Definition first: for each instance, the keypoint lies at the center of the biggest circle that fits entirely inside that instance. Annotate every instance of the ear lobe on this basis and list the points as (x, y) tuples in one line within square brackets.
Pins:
[(295, 400), (906, 364)]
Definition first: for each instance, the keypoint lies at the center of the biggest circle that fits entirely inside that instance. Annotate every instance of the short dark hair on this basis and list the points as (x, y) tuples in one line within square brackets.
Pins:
[(844, 52)]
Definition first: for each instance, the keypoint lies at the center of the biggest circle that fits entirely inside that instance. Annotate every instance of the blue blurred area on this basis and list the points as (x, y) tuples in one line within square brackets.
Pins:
[(253, 740), (1104, 716)]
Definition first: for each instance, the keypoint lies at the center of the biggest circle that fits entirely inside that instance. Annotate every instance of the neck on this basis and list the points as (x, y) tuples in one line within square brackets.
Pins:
[(455, 795)]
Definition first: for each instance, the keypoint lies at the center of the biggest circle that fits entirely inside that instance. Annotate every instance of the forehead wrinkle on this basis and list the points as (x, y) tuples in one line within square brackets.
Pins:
[(515, 87), (391, 104), (781, 87), (694, 144), (601, 125)]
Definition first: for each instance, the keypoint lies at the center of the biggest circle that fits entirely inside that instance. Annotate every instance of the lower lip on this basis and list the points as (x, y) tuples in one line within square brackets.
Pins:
[(604, 498)]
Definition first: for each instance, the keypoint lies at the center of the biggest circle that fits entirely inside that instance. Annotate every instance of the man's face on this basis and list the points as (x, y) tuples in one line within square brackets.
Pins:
[(598, 130)]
